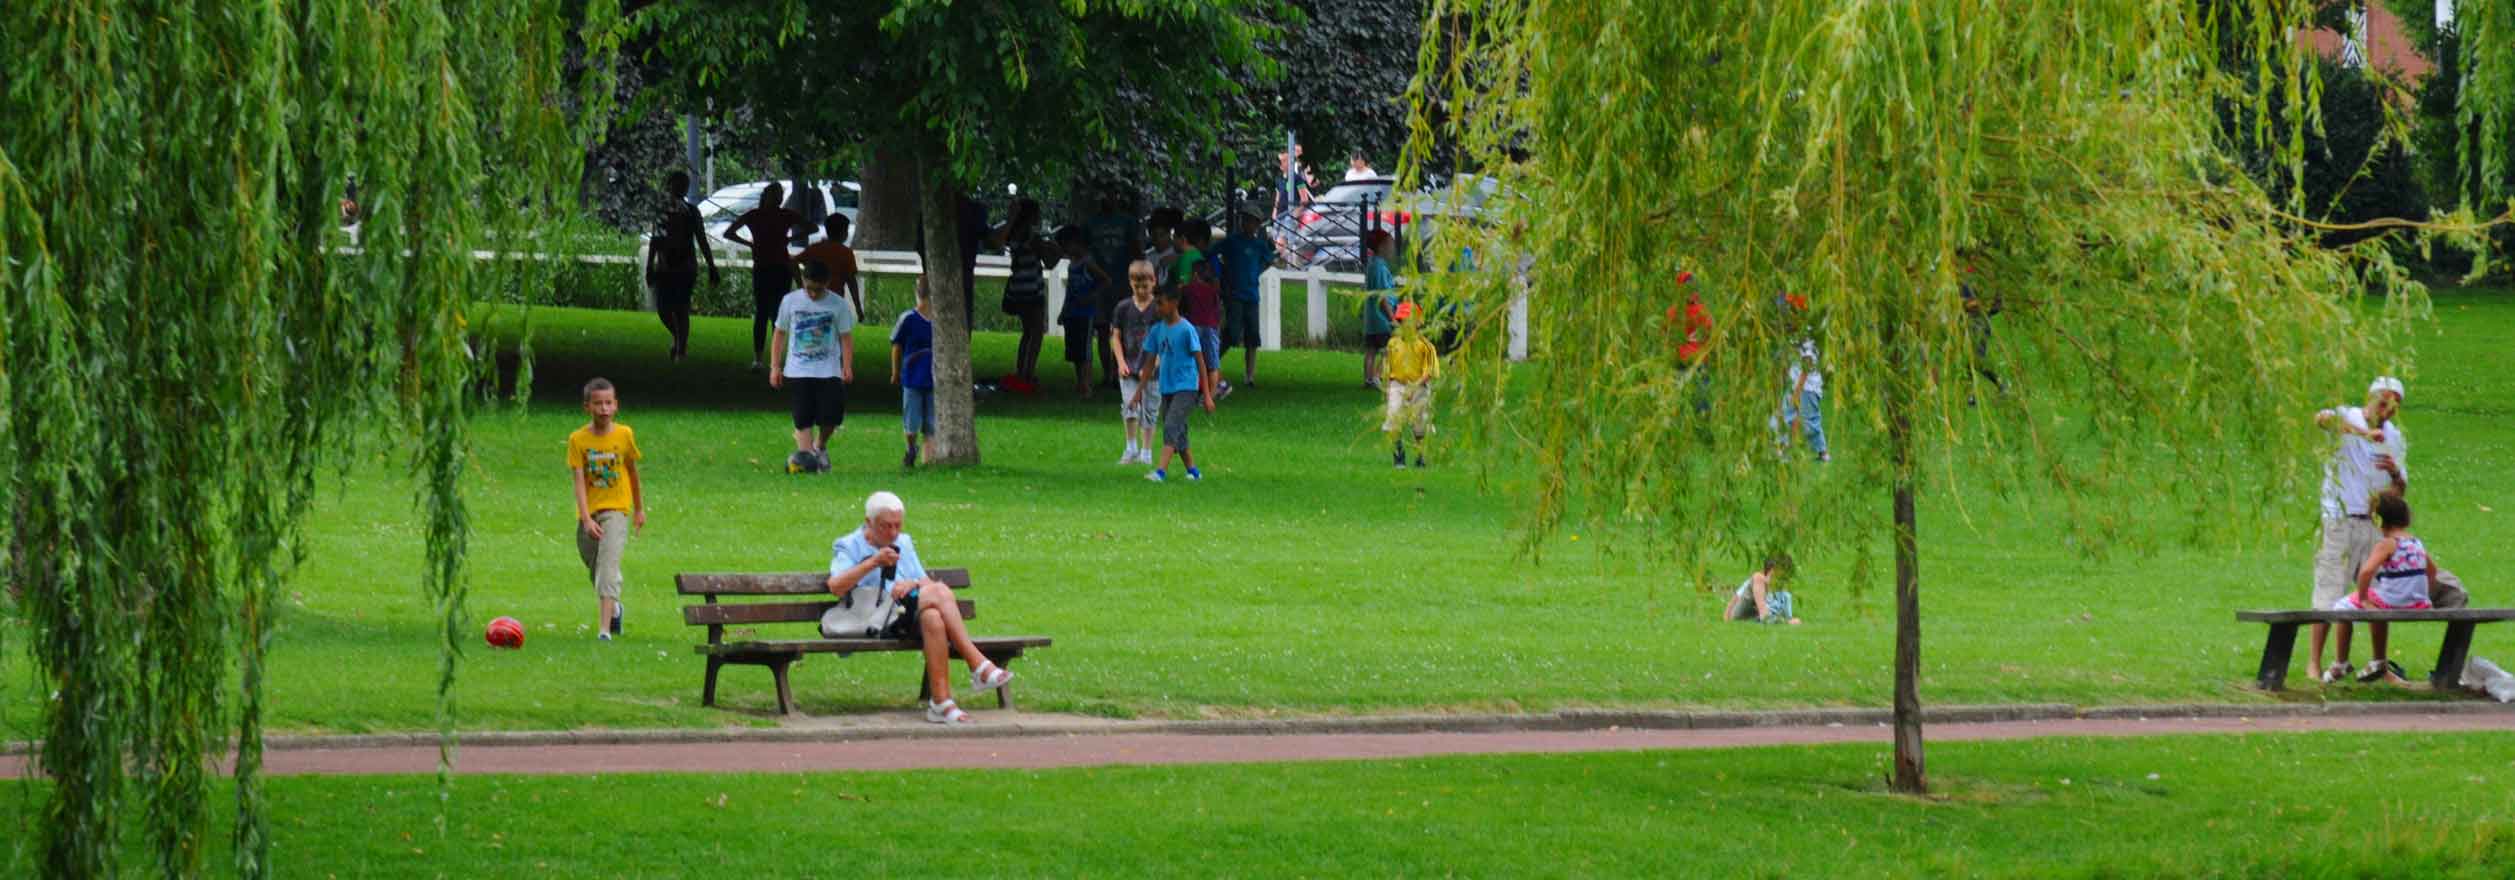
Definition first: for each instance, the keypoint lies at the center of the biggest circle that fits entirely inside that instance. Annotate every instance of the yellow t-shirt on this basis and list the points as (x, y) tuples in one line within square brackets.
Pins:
[(1412, 361), (604, 459)]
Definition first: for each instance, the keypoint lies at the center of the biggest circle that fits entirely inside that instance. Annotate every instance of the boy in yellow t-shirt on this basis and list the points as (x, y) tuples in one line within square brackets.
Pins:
[(610, 501), (1413, 364)]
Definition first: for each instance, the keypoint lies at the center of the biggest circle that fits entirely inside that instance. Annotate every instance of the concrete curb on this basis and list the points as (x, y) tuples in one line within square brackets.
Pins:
[(1565, 720)]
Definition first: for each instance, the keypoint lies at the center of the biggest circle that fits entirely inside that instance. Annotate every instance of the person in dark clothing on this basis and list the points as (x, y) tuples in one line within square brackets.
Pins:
[(672, 262), (772, 268)]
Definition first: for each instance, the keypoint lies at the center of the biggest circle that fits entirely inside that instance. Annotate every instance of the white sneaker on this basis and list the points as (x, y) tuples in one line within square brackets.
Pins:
[(1143, 456), (1128, 457)]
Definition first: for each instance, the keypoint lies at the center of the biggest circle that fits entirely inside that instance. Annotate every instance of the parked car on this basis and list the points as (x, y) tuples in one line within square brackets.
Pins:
[(722, 206), (1329, 229)]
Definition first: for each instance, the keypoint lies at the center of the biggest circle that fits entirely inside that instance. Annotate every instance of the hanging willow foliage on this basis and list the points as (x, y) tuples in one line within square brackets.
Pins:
[(188, 349), (2167, 326)]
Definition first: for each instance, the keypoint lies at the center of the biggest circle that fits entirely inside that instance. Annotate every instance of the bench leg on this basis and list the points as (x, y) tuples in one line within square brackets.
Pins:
[(2449, 659), (707, 694), (1004, 695), (785, 693), (2275, 653)]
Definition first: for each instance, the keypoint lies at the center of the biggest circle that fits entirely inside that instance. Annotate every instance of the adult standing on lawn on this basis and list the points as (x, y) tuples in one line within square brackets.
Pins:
[(672, 262), (1117, 241), (878, 559), (772, 268), (2373, 456)]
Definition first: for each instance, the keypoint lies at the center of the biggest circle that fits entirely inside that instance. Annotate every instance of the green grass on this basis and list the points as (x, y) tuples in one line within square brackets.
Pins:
[(2289, 805), (1304, 576)]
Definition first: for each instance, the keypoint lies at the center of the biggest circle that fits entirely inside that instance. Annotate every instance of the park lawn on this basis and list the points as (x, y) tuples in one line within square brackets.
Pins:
[(2268, 805), (1304, 576)]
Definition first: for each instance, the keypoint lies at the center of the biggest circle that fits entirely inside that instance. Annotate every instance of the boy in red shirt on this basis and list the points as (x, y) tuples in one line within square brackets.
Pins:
[(1201, 302)]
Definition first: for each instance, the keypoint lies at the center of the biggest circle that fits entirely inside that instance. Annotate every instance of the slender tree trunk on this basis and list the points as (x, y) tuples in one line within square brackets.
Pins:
[(955, 439), (886, 209), (1909, 778)]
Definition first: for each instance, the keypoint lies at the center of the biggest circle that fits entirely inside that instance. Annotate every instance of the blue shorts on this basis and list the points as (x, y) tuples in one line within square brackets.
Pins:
[(916, 410), (1209, 342)]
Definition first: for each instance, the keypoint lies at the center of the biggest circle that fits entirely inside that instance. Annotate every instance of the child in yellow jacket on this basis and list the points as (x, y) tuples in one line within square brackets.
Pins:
[(1413, 366)]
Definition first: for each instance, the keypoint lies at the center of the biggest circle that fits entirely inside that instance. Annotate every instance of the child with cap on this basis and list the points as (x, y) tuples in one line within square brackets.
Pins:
[(1413, 365)]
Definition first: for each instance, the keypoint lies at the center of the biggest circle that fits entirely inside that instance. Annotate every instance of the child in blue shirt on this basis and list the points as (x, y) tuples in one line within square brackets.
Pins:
[(1378, 315), (1171, 353), (912, 367), (1084, 279), (1245, 256)]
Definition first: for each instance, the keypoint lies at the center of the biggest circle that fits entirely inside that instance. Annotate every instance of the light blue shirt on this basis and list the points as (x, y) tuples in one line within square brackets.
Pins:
[(1175, 343), (853, 548)]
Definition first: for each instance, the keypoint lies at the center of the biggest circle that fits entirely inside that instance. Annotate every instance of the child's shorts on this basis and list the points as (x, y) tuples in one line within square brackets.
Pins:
[(1210, 342), (818, 402), (1079, 340), (916, 410), (602, 555), (1131, 408), (1174, 418)]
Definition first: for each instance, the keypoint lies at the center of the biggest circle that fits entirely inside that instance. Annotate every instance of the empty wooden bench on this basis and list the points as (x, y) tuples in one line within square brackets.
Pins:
[(2459, 622), (778, 654)]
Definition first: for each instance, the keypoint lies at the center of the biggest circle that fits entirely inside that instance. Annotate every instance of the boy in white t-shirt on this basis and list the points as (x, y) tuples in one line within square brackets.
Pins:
[(813, 357)]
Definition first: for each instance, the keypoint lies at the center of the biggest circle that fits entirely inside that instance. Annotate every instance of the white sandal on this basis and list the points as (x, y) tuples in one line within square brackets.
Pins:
[(981, 680), (946, 712)]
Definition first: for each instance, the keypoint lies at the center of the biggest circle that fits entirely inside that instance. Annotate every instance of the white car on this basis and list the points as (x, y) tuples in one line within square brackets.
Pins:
[(722, 206)]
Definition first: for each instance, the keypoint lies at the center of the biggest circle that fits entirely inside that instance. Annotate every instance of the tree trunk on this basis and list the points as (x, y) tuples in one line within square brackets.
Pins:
[(1909, 778), (955, 440), (886, 208)]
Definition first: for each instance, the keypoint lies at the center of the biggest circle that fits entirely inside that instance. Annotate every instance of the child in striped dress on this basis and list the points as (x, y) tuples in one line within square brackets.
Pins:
[(2394, 577)]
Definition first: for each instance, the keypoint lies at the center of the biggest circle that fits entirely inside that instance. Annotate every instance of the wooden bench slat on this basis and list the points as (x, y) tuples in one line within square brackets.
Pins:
[(2448, 615), (856, 646), (800, 583), (776, 612)]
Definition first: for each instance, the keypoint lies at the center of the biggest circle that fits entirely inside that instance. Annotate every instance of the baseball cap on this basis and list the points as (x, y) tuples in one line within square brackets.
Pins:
[(1405, 311), (2387, 383)]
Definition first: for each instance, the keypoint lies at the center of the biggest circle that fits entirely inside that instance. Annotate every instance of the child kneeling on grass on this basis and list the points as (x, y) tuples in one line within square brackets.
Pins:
[(880, 557), (2395, 577), (1761, 598)]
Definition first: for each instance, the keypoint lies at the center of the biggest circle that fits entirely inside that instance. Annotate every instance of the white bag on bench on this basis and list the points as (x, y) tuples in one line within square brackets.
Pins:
[(864, 613)]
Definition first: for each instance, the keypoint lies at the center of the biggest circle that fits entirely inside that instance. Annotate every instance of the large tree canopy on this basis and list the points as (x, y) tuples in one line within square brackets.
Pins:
[(186, 351), (971, 94), (2167, 327)]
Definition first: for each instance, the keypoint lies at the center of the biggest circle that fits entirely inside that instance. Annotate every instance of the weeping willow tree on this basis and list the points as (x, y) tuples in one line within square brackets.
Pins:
[(2165, 324), (188, 349)]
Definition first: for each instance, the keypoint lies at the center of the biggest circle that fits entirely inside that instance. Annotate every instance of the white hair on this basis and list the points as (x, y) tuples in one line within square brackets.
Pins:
[(878, 502)]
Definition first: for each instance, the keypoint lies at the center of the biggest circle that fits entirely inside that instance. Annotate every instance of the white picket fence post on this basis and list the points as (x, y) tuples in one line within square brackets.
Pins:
[(1271, 310), (1318, 304), (1519, 322)]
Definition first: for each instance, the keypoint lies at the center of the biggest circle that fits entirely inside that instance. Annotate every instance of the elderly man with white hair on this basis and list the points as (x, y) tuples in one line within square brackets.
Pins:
[(877, 563), (2372, 458)]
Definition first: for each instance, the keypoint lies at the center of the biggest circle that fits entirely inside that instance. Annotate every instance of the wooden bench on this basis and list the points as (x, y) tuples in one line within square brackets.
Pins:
[(2459, 622), (778, 654)]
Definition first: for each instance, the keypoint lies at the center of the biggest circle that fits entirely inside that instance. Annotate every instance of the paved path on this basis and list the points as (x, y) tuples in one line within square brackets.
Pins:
[(1078, 750)]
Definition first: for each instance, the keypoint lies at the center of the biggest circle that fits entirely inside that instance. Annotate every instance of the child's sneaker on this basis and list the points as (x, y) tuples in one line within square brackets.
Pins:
[(1156, 476), (1224, 391), (605, 636), (1143, 456), (1128, 457), (910, 459), (1194, 476), (619, 613)]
